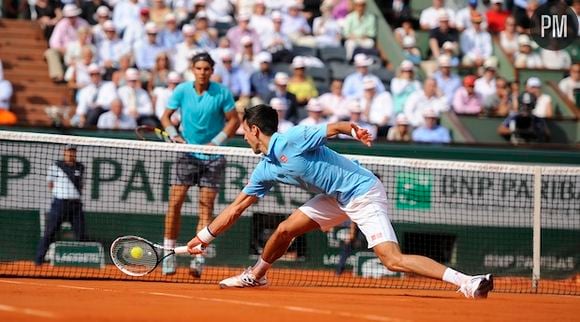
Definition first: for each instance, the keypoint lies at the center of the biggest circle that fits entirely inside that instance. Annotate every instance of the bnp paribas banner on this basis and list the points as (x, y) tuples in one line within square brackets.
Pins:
[(138, 181)]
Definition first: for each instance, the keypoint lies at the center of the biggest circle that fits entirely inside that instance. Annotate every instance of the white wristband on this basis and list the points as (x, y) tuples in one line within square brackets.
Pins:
[(220, 138), (353, 133), (205, 235), (171, 131)]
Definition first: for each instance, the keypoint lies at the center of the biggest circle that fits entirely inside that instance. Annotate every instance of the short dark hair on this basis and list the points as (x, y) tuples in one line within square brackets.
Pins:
[(202, 57), (264, 117)]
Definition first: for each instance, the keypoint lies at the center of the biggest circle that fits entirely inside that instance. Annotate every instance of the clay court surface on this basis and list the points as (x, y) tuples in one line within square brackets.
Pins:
[(23, 299)]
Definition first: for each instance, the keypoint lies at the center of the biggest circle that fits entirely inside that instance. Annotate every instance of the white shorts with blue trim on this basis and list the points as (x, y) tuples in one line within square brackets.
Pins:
[(369, 212)]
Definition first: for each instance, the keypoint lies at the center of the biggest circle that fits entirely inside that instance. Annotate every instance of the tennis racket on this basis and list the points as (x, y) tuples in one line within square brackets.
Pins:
[(149, 133), (136, 256)]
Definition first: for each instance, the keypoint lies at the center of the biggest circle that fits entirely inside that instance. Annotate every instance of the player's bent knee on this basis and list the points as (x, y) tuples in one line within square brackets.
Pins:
[(284, 231)]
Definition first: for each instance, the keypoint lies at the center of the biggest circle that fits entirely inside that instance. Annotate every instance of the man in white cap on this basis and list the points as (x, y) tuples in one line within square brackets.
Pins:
[(277, 42), (111, 48), (476, 43), (127, 13), (94, 99), (261, 81), (359, 28), (146, 50), (315, 115), (90, 10), (170, 35), (115, 118), (377, 108), (447, 81), (296, 26), (281, 91), (410, 50), (403, 85), (243, 28), (525, 57), (442, 33), (102, 15), (353, 83), (430, 131), (419, 101), (401, 131), (544, 106), (259, 20), (429, 17), (136, 100), (279, 105), (64, 33), (232, 76), (185, 49), (485, 85)]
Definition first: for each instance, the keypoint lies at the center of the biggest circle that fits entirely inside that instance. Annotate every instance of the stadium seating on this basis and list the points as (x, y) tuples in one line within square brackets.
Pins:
[(330, 54)]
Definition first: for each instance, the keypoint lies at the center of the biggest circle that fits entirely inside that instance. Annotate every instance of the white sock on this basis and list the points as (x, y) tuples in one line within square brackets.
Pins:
[(261, 268), (454, 277), (169, 243)]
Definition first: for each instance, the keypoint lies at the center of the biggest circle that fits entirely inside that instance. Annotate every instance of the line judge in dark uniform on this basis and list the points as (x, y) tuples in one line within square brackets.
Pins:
[(65, 181)]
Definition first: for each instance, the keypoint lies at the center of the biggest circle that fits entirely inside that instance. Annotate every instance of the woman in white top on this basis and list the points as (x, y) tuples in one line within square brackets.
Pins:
[(508, 38), (325, 28), (544, 107)]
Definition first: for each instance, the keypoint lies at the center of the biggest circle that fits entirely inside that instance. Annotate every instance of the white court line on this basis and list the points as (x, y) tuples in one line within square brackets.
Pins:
[(26, 311), (170, 295), (22, 283), (76, 287)]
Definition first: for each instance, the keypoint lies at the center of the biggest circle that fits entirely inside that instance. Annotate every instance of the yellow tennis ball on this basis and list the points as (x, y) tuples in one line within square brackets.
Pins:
[(137, 252)]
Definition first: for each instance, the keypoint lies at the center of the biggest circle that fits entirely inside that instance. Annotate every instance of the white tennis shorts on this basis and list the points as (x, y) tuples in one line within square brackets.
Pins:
[(369, 212)]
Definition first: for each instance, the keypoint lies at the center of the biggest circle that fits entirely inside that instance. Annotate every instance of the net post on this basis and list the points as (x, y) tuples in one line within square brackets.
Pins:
[(537, 228)]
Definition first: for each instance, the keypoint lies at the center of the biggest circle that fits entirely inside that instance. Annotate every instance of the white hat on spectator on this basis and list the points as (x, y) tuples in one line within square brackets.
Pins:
[(407, 65), (490, 63), (429, 112), (354, 107), (188, 30), (103, 11), (295, 4), (201, 15), (109, 25), (524, 40), (442, 15), (226, 55), (151, 28), (71, 10), (444, 61), (200, 2), (132, 74), (281, 78), (94, 68), (173, 77), (448, 45), (496, 1), (244, 16), (362, 60), (276, 15), (402, 120), (369, 83), (534, 82), (278, 104), (360, 1), (170, 17), (264, 57), (409, 42), (298, 62), (314, 106), (245, 40)]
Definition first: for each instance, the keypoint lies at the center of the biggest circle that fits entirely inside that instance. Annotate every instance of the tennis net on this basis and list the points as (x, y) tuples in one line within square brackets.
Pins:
[(521, 223)]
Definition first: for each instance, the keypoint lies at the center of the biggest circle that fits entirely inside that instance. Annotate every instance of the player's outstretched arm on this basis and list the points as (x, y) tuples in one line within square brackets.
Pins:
[(222, 222), (349, 128)]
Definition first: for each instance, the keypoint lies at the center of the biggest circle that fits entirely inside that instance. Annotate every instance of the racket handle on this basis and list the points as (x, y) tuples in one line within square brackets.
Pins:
[(183, 249)]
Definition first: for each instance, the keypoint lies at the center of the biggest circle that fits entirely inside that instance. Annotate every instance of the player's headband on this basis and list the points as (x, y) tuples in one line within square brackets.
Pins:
[(202, 57)]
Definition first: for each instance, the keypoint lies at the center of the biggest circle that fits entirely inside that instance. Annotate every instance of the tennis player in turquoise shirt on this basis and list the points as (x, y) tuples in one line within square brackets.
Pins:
[(345, 190)]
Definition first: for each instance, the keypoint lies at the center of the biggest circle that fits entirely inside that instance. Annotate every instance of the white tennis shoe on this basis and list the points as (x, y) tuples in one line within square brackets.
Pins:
[(168, 265), (246, 279), (477, 287)]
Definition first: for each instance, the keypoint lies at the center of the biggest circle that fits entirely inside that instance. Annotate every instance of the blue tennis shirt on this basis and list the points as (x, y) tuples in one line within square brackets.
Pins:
[(300, 158)]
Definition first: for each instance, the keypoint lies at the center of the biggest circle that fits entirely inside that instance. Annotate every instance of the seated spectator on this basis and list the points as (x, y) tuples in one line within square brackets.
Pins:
[(449, 49), (524, 11), (159, 73), (300, 84), (441, 34), (525, 57), (136, 101), (111, 48), (405, 30), (261, 81), (403, 85), (94, 99), (523, 126), (161, 94), (73, 49), (245, 59), (356, 112), (206, 37), (259, 20), (401, 131), (219, 11), (430, 131), (281, 91), (115, 119), (232, 77), (146, 50), (359, 28), (126, 13), (135, 31), (466, 100), (501, 103), (296, 26), (463, 16), (508, 38), (544, 107), (46, 13), (103, 13), (279, 105), (429, 17), (185, 50), (353, 87), (170, 35), (555, 59), (243, 28), (571, 83), (326, 30), (447, 81), (158, 12), (496, 17), (118, 76), (64, 33), (410, 50), (377, 109), (90, 10), (476, 44), (422, 100), (334, 103), (77, 75), (6, 91), (277, 42), (314, 113), (485, 85)]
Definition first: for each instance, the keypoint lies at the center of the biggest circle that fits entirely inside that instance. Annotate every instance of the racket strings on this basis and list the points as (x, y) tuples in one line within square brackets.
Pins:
[(133, 261)]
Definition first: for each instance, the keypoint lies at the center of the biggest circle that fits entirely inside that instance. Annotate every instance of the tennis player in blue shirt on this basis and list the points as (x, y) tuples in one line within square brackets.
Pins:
[(345, 189)]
